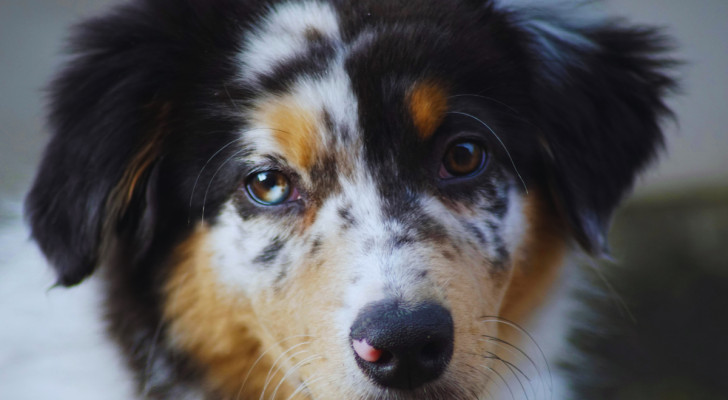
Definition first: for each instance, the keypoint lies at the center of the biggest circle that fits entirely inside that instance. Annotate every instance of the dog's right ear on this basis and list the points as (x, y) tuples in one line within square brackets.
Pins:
[(108, 174), (97, 121), (105, 110)]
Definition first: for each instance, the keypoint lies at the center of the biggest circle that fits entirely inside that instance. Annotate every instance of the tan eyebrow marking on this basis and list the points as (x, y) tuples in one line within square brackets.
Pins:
[(427, 102), (294, 128)]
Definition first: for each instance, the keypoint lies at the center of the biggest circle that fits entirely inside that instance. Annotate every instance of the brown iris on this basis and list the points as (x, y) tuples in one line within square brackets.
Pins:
[(269, 188), (463, 159)]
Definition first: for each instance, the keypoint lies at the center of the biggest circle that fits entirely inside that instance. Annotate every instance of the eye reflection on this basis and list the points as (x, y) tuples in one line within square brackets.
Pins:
[(269, 188)]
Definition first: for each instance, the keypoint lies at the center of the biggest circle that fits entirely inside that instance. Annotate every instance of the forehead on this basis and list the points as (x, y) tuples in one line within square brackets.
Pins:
[(327, 84)]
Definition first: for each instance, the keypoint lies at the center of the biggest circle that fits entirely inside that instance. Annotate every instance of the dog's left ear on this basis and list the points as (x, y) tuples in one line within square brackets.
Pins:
[(598, 96)]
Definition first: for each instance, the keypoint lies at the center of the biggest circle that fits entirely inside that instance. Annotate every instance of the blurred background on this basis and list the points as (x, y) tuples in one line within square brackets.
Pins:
[(670, 241)]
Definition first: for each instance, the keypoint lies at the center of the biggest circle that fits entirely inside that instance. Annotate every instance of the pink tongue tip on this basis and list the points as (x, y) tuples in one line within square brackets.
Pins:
[(365, 351)]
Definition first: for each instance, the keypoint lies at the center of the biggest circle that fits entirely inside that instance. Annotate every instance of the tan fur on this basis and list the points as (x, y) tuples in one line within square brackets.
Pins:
[(217, 327), (428, 105), (538, 260), (304, 307), (294, 128), (144, 157)]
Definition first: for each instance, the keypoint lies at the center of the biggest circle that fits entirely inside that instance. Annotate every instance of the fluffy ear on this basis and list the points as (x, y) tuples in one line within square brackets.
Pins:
[(105, 118), (598, 92), (131, 117)]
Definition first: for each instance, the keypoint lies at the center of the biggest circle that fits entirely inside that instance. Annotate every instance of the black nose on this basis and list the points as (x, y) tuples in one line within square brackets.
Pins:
[(403, 347)]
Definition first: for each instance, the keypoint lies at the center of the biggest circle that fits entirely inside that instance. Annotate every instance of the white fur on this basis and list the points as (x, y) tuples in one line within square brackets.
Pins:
[(281, 36)]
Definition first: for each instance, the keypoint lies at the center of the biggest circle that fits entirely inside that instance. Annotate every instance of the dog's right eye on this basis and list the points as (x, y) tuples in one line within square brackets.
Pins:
[(464, 158), (270, 188)]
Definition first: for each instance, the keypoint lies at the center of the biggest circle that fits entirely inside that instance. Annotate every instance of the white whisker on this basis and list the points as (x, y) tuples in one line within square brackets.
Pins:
[(499, 140), (250, 370), (192, 194), (533, 340), (275, 367), (295, 368), (304, 385)]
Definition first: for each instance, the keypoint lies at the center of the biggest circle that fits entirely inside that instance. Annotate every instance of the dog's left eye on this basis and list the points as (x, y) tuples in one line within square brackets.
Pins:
[(269, 188), (463, 158)]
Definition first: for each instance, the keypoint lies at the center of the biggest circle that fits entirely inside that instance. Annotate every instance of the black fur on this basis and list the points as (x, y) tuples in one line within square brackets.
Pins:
[(161, 73)]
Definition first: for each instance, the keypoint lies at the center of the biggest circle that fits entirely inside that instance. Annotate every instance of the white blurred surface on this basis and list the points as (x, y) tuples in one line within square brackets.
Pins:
[(52, 341)]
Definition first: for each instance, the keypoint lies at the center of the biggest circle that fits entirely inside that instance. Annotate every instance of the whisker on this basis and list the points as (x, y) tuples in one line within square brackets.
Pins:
[(480, 96), (513, 397), (510, 347), (212, 179), (224, 86), (499, 140), (295, 368), (513, 368), (531, 338), (194, 186), (478, 372), (617, 297), (252, 367), (272, 371), (304, 385), (514, 112), (515, 350)]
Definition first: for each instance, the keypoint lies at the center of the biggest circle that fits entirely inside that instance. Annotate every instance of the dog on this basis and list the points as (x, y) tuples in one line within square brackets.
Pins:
[(331, 199)]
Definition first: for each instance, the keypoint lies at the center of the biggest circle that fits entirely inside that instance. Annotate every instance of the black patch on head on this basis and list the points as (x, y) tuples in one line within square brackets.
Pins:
[(270, 252), (313, 61)]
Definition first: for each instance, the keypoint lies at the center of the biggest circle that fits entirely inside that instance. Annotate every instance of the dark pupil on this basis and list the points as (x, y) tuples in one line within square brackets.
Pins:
[(268, 180), (270, 187), (463, 158)]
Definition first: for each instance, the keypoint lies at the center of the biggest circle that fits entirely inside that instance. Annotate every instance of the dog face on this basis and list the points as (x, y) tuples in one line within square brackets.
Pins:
[(326, 200)]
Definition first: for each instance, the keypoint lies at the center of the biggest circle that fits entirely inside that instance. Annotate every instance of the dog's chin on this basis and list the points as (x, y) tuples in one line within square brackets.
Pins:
[(441, 389)]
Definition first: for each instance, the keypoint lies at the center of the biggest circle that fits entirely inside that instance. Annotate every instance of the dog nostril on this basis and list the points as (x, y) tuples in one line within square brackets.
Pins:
[(366, 351)]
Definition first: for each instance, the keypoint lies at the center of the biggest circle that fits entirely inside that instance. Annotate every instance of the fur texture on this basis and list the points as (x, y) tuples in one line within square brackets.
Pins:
[(175, 122)]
